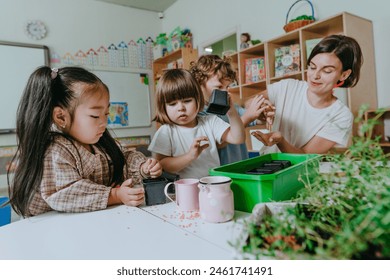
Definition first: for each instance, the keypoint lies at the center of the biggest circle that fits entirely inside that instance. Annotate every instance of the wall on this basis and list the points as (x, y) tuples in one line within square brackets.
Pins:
[(265, 19), (76, 25)]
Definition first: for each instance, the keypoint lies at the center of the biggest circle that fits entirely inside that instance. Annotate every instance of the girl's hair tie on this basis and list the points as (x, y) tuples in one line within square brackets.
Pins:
[(54, 72)]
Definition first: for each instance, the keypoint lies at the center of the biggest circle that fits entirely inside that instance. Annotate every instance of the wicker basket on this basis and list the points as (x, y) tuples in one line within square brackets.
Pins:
[(290, 26)]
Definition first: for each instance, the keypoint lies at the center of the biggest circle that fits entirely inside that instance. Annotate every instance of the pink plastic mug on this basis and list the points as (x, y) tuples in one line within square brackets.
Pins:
[(187, 194)]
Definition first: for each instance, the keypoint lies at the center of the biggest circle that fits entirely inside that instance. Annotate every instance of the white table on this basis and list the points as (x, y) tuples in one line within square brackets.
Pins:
[(219, 234), (120, 232)]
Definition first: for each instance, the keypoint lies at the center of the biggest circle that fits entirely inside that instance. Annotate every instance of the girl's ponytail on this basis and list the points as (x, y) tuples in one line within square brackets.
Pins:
[(33, 124)]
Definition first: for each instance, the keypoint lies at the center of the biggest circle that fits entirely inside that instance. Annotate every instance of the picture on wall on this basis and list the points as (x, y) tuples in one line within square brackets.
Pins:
[(119, 115)]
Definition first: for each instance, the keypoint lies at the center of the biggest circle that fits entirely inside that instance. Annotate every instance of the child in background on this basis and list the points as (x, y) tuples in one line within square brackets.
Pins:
[(66, 159), (213, 72), (186, 143)]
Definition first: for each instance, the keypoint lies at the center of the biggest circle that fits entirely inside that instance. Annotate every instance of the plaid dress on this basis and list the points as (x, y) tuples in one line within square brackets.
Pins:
[(76, 180)]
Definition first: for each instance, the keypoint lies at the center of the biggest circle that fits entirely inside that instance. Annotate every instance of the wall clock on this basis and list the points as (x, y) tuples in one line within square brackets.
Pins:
[(35, 29)]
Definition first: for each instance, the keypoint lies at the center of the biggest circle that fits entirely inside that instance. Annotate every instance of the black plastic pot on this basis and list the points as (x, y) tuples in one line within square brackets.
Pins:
[(154, 191)]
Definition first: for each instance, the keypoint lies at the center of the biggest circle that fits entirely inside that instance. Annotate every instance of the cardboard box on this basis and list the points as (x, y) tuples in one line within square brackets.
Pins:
[(254, 69), (287, 60)]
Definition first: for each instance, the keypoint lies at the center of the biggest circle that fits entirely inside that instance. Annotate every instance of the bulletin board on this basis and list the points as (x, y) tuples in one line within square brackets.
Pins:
[(17, 62), (132, 90)]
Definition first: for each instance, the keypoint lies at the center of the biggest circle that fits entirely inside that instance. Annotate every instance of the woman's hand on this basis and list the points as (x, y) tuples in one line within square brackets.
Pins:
[(268, 139), (152, 167), (126, 194), (268, 115)]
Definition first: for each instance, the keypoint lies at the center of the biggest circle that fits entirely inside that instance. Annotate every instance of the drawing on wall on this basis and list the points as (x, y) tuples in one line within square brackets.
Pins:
[(119, 114), (134, 54)]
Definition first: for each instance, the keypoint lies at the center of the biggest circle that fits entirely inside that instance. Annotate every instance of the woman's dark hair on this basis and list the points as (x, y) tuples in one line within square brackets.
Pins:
[(347, 49), (176, 84), (45, 90)]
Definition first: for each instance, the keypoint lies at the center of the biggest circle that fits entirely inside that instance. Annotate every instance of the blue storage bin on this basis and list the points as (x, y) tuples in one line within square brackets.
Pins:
[(5, 212)]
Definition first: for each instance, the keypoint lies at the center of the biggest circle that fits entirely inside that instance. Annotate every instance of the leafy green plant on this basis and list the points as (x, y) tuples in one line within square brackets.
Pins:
[(255, 42), (341, 214), (303, 17)]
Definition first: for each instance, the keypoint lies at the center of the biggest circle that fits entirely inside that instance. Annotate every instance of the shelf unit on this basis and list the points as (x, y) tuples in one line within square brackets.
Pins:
[(364, 92), (382, 129), (186, 55)]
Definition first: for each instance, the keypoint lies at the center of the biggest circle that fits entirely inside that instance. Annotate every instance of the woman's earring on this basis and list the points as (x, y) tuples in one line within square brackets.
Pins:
[(339, 84), (64, 125)]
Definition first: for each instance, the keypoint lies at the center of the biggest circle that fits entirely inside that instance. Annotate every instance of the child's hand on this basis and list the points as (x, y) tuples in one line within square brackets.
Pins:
[(197, 147), (152, 167), (259, 108), (255, 107), (129, 195)]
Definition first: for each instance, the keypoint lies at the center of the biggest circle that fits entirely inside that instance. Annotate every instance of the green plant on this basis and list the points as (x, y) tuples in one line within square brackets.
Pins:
[(341, 214), (303, 17), (255, 42)]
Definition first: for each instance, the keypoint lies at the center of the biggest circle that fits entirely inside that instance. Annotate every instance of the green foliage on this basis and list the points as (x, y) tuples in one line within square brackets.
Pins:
[(343, 214), (255, 42), (302, 17)]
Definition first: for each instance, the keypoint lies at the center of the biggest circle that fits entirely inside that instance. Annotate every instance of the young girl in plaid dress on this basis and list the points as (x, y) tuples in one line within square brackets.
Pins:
[(66, 158)]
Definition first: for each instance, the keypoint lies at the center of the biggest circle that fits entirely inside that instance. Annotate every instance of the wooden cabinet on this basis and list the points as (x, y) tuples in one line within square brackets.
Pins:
[(180, 58), (382, 128), (364, 92)]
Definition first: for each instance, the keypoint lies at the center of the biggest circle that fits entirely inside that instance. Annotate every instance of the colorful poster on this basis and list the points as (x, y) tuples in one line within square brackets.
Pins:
[(119, 115)]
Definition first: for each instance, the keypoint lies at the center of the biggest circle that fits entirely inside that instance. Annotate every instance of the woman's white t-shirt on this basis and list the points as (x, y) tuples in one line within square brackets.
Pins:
[(174, 140), (299, 122)]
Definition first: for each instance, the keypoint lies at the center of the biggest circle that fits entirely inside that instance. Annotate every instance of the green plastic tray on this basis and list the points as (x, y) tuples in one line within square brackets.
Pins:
[(250, 190)]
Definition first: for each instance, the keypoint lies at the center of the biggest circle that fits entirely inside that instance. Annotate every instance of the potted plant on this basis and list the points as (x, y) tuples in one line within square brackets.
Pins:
[(340, 214), (299, 21)]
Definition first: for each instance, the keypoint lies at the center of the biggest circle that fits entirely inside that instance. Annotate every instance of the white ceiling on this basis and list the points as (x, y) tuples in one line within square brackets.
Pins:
[(150, 5)]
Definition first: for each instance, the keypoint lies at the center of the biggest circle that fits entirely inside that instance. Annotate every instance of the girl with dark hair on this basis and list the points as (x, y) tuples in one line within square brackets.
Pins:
[(186, 143), (308, 117), (66, 159)]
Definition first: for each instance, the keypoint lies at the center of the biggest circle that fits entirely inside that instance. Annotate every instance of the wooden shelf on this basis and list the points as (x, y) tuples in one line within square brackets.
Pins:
[(365, 92), (385, 144), (185, 55)]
